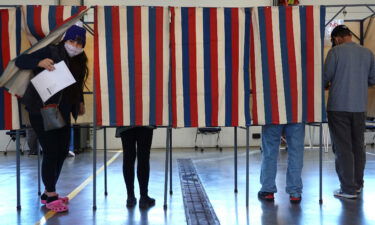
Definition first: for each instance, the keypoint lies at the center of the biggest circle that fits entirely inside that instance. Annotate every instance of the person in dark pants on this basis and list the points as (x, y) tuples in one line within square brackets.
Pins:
[(55, 143), (348, 71), (32, 141), (136, 143)]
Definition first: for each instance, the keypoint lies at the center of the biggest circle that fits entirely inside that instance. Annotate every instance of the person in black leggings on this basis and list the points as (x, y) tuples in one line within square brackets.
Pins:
[(136, 143), (55, 143)]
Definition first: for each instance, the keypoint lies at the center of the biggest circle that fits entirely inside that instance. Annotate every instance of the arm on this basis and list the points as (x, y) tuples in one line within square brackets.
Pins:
[(39, 58), (329, 68), (82, 108)]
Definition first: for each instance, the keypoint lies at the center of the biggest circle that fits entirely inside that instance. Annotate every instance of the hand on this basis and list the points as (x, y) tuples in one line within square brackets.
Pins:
[(82, 109), (47, 64)]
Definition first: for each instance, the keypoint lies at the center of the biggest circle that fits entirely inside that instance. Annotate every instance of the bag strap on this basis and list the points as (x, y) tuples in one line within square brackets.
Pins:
[(58, 102), (61, 94)]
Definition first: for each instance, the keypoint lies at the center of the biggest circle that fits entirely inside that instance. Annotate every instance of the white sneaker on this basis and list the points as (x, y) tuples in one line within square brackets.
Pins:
[(340, 193), (71, 154)]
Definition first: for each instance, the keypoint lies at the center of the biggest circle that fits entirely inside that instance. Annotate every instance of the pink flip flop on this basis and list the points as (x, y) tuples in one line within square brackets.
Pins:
[(57, 206), (64, 200)]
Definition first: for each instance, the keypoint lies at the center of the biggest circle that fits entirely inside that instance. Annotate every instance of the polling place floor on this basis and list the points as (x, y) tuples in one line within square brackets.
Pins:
[(216, 173)]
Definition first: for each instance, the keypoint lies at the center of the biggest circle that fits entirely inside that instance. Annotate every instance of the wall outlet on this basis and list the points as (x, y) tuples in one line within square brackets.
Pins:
[(256, 136)]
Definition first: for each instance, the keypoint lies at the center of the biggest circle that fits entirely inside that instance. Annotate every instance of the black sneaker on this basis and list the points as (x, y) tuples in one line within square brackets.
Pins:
[(146, 202), (131, 202), (268, 196), (295, 199)]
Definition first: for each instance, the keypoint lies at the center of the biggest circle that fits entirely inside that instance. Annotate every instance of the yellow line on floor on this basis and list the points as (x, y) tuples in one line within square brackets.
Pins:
[(72, 194)]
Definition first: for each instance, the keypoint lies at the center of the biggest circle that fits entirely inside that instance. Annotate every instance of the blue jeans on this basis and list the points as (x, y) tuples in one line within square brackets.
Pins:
[(295, 137)]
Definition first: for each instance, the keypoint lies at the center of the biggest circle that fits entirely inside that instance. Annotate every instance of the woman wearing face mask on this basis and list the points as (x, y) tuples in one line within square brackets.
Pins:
[(55, 143)]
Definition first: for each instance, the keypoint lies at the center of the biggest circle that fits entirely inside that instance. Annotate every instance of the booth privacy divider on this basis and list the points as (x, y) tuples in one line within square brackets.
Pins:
[(192, 67), (286, 53), (40, 20), (10, 30), (208, 78), (131, 65), (195, 67), (16, 80)]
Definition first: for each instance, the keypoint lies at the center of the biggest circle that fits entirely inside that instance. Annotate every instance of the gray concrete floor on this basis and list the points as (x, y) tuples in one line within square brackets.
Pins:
[(216, 171)]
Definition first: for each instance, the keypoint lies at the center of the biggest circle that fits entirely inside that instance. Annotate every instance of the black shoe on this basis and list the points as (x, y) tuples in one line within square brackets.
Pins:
[(146, 202), (131, 202), (268, 196)]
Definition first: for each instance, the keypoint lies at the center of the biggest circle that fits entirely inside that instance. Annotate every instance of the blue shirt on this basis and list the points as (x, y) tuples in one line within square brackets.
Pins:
[(349, 69)]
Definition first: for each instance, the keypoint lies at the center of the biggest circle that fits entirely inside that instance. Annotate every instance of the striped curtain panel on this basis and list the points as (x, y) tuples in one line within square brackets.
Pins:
[(286, 58), (131, 65), (39, 20), (210, 86), (10, 28)]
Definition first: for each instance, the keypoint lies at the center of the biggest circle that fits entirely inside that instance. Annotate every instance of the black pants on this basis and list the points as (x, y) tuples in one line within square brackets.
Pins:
[(136, 142), (55, 146), (347, 135), (32, 140)]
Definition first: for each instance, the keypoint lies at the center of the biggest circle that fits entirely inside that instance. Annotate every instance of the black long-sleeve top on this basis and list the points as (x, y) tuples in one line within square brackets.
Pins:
[(71, 97)]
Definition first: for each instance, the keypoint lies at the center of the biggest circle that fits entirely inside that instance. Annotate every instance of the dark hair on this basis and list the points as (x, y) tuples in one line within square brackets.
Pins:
[(341, 31), (78, 66), (80, 71)]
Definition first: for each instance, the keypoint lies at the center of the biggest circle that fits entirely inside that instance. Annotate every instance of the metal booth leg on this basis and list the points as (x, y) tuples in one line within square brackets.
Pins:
[(18, 171), (39, 191), (320, 165), (166, 170), (170, 161), (105, 161), (247, 164), (94, 167), (235, 160)]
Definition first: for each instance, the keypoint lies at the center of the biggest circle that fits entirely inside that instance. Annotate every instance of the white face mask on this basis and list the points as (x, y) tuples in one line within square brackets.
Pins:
[(72, 50)]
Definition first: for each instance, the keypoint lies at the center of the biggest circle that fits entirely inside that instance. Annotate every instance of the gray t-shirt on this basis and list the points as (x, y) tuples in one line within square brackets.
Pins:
[(349, 69)]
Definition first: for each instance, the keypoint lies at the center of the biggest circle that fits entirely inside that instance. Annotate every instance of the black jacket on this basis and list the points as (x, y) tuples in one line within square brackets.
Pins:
[(31, 98)]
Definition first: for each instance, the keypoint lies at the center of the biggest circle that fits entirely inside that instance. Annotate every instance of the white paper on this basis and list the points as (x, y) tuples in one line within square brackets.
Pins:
[(47, 83)]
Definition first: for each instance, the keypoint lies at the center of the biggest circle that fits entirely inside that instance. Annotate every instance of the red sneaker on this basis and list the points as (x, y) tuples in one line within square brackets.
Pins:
[(295, 199), (268, 196)]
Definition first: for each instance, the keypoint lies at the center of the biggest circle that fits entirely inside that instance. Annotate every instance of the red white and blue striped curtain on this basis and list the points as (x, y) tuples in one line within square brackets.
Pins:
[(286, 54), (10, 30), (40, 20), (131, 65), (210, 86)]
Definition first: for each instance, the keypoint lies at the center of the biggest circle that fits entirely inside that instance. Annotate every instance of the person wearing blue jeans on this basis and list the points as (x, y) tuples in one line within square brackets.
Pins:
[(295, 138)]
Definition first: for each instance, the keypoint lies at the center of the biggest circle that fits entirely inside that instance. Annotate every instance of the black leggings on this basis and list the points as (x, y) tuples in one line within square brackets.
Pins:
[(55, 146), (136, 142)]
